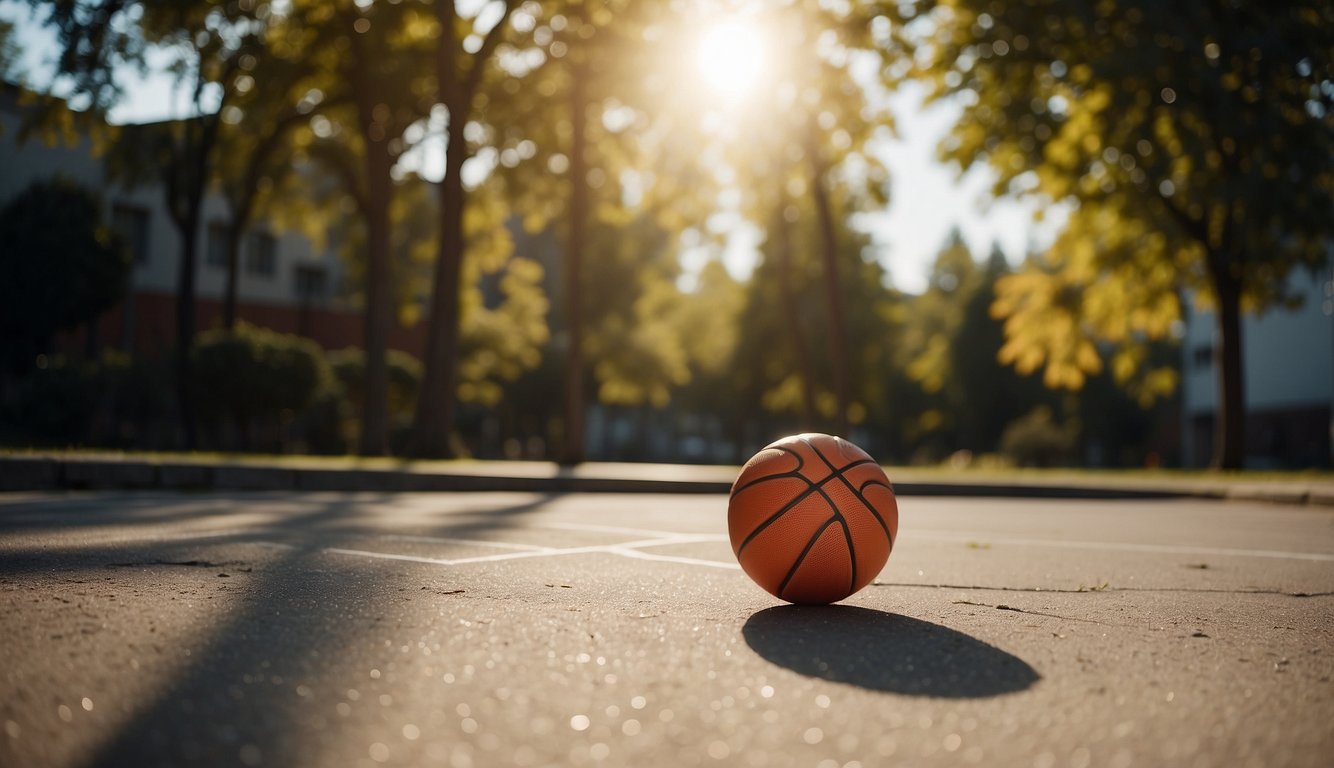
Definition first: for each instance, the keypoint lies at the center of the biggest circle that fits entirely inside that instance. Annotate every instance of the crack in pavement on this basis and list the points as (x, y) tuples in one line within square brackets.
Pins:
[(1003, 607)]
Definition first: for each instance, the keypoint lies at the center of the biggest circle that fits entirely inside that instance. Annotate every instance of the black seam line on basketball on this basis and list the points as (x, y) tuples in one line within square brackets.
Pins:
[(811, 445), (810, 487), (801, 462), (838, 471), (806, 550), (869, 506), (852, 553), (839, 474), (847, 537), (860, 492)]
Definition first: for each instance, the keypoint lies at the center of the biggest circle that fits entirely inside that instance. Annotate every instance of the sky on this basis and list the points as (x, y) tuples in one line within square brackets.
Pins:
[(927, 198)]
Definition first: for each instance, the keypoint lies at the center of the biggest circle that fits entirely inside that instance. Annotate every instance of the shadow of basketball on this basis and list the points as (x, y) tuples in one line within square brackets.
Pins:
[(884, 652)]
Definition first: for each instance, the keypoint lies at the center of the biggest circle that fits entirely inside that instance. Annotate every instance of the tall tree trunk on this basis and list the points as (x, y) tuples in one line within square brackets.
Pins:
[(788, 308), (436, 403), (376, 164), (185, 196), (573, 450), (1230, 421), (838, 334), (375, 412)]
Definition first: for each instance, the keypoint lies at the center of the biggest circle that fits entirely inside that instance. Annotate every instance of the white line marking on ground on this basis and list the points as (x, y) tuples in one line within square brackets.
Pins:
[(620, 529), (1126, 547), (685, 538), (466, 560), (638, 555), (470, 542), (631, 549)]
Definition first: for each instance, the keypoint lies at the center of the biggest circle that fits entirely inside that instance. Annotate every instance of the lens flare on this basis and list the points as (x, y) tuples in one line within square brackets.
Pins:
[(730, 58)]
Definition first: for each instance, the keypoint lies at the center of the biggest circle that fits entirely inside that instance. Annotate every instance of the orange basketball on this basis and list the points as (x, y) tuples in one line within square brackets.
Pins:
[(812, 518)]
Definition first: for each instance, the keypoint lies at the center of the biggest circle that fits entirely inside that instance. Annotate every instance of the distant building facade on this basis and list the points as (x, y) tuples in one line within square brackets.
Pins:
[(283, 282), (1289, 380)]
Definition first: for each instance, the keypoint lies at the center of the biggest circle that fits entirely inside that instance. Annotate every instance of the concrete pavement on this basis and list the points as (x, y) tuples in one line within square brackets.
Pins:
[(530, 629)]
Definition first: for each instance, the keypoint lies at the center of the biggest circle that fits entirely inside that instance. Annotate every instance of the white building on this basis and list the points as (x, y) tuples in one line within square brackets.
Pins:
[(1289, 380), (280, 272)]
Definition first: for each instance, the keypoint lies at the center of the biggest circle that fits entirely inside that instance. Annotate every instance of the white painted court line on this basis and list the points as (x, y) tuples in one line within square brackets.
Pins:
[(1124, 547), (640, 555), (467, 560), (685, 538), (632, 531), (631, 549), (468, 542)]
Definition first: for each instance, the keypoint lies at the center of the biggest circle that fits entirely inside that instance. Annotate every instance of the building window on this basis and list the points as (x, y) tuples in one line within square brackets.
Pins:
[(311, 284), (131, 223), (216, 253), (1203, 357), (261, 254)]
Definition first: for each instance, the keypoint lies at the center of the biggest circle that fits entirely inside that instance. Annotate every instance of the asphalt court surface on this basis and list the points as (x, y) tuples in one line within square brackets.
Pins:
[(531, 629)]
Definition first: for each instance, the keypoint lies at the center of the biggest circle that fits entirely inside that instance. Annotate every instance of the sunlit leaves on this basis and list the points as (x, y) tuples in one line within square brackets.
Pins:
[(1108, 279), (1195, 141)]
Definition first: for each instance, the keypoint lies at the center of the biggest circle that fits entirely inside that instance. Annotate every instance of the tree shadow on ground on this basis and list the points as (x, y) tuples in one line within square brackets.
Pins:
[(884, 652), (262, 685)]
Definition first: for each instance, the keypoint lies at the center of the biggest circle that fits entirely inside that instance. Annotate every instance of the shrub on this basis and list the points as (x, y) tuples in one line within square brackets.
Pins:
[(56, 402), (253, 377), (61, 267), (1035, 440), (405, 375)]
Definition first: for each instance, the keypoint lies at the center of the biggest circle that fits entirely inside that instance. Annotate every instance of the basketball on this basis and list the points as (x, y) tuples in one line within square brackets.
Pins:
[(812, 518)]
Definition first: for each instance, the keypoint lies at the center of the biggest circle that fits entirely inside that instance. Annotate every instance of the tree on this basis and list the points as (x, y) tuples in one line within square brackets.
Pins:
[(464, 49), (795, 146), (369, 63), (565, 152), (208, 44), (62, 268), (257, 128), (1197, 136)]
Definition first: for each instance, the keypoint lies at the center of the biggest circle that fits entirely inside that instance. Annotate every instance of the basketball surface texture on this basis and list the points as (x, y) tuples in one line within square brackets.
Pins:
[(812, 518)]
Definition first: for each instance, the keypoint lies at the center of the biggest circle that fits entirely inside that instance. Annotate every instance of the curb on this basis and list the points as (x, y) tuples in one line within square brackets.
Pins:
[(41, 473)]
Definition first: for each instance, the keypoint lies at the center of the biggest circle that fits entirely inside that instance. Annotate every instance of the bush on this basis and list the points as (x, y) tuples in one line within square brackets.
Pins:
[(61, 268), (255, 378), (405, 376), (323, 427), (1035, 440), (55, 403)]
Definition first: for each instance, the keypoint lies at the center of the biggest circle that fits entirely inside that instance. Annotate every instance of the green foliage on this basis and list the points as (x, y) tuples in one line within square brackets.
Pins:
[(633, 340), (61, 268), (111, 401), (1192, 141), (253, 375), (1036, 440), (948, 349), (405, 373), (56, 402)]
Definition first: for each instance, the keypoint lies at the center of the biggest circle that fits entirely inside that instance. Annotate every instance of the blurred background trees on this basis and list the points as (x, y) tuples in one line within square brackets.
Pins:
[(1194, 140), (635, 233)]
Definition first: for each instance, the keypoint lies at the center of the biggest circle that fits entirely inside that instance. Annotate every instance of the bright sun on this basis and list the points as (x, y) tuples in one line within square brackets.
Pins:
[(730, 57)]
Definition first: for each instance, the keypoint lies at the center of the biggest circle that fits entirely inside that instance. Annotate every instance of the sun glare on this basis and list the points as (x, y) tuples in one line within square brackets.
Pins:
[(730, 58)]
